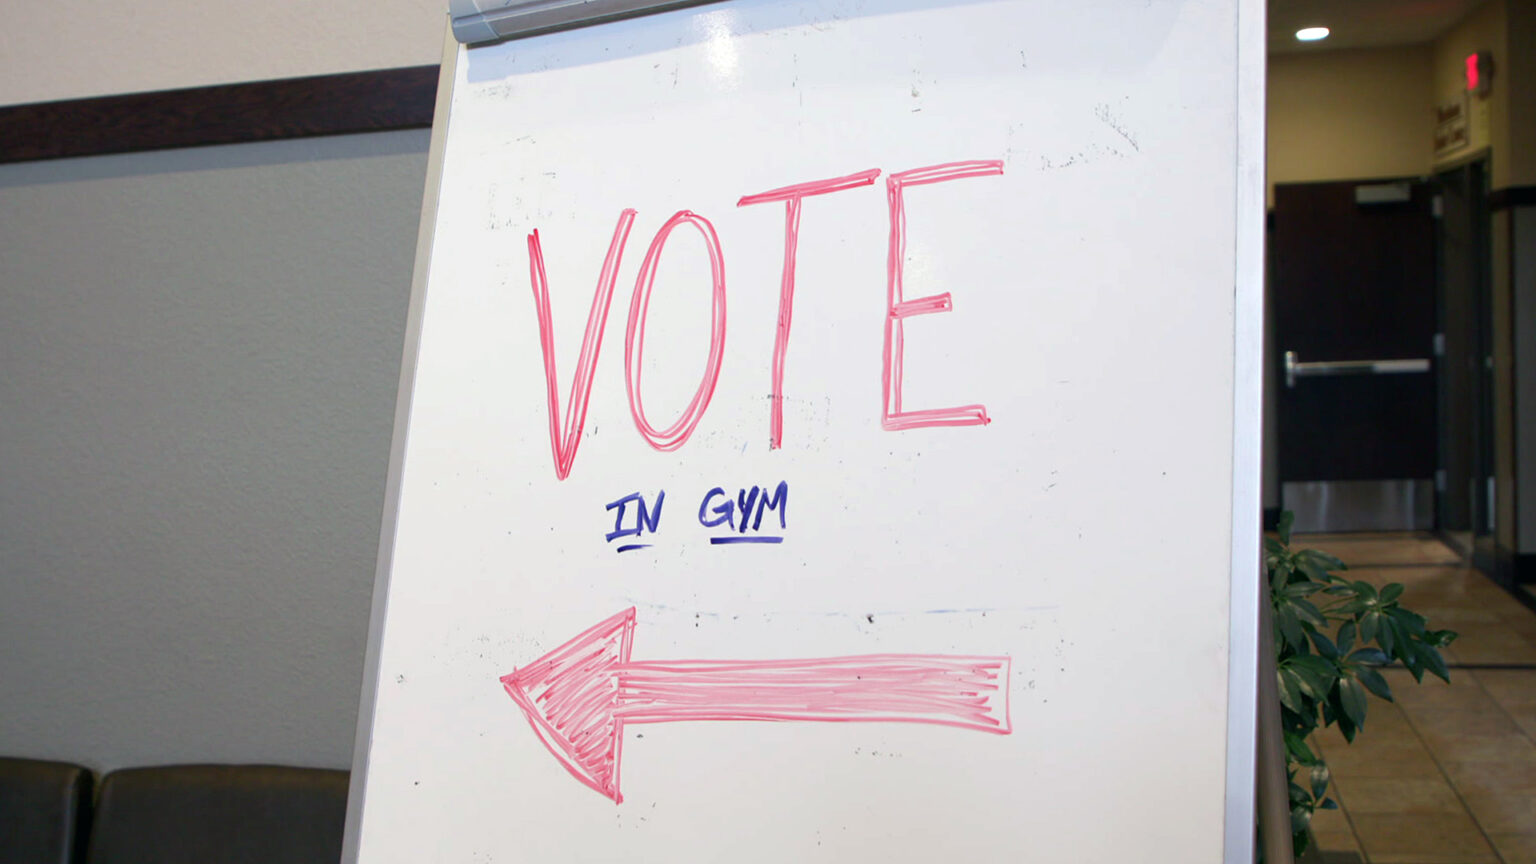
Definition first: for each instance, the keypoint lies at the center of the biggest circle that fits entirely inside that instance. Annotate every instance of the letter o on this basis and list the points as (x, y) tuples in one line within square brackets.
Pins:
[(675, 435)]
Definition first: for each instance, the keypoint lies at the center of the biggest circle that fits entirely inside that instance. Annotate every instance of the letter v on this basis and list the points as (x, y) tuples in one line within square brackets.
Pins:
[(563, 446)]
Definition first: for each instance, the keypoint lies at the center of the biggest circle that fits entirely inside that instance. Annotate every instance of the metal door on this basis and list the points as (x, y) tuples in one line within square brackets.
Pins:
[(1354, 304)]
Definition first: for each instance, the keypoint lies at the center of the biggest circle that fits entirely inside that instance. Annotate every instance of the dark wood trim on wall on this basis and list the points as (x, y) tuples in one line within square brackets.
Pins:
[(1512, 196), (374, 101)]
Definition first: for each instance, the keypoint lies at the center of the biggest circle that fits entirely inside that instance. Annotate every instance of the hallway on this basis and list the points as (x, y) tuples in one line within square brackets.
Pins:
[(1447, 775)]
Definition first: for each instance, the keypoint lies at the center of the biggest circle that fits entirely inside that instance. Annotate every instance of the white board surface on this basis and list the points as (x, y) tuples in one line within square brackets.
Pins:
[(1004, 640)]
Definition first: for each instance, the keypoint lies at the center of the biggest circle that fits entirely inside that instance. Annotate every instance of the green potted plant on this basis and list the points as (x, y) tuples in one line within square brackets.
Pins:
[(1332, 636)]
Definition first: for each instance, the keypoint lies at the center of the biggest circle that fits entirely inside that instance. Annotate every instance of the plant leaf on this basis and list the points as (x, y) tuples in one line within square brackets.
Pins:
[(1309, 614), (1352, 700), (1368, 625), (1315, 674), (1412, 622), (1324, 647), (1309, 568), (1374, 682), (1290, 626), (1301, 842), (1313, 664), (1287, 519), (1301, 817), (1391, 592), (1352, 606), (1346, 637), (1369, 655), (1412, 660), (1320, 777), (1441, 638), (1290, 690), (1295, 791), (1296, 747), (1391, 638), (1347, 727), (1433, 662), (1318, 566)]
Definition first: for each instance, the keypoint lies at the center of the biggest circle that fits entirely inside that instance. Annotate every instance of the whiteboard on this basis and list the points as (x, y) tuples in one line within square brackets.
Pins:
[(828, 435)]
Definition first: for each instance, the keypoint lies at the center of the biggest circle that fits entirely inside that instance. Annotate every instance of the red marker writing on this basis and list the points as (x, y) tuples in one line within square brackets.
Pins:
[(579, 697)]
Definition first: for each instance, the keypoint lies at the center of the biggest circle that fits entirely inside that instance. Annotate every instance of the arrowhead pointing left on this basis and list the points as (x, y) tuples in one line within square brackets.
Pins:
[(569, 696)]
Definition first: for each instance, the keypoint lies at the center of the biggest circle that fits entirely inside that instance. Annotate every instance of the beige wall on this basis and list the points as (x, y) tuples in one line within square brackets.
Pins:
[(1488, 121), (1352, 114), (50, 51), (1519, 77), (1345, 115)]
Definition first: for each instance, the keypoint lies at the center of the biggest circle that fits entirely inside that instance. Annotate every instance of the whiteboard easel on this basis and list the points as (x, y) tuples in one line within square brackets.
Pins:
[(1132, 207)]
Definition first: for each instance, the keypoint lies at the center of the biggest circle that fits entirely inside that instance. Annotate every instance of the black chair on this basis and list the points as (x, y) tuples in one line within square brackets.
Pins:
[(219, 814), (45, 811)]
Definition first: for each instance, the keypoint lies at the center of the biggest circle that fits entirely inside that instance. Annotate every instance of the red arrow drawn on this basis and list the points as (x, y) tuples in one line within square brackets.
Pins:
[(579, 697)]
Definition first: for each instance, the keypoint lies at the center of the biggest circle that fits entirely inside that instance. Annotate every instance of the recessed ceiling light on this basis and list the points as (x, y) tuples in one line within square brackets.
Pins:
[(1312, 34)]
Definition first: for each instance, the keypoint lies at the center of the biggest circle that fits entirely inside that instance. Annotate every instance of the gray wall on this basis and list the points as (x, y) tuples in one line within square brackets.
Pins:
[(199, 351)]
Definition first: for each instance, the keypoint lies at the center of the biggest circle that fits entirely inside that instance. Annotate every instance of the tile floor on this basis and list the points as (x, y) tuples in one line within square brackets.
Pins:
[(1447, 774)]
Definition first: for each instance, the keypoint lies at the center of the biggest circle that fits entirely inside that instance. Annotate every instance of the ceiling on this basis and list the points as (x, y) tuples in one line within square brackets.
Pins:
[(1362, 23)]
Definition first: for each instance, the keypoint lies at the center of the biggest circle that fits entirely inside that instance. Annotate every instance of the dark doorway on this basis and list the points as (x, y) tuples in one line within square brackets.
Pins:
[(1466, 376), (1354, 299)]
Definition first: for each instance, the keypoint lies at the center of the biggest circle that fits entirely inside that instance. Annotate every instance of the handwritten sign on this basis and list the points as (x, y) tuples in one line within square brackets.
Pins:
[(565, 438), (823, 417)]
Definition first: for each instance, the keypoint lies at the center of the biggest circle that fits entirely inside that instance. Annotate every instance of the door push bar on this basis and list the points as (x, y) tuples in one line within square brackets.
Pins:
[(1294, 368)]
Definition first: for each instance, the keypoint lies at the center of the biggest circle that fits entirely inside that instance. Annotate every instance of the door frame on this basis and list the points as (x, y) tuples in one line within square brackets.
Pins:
[(1473, 345)]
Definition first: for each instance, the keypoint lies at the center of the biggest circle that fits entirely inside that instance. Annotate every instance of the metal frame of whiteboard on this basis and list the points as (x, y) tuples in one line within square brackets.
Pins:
[(1245, 558), (475, 22), (1247, 437), (357, 786)]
